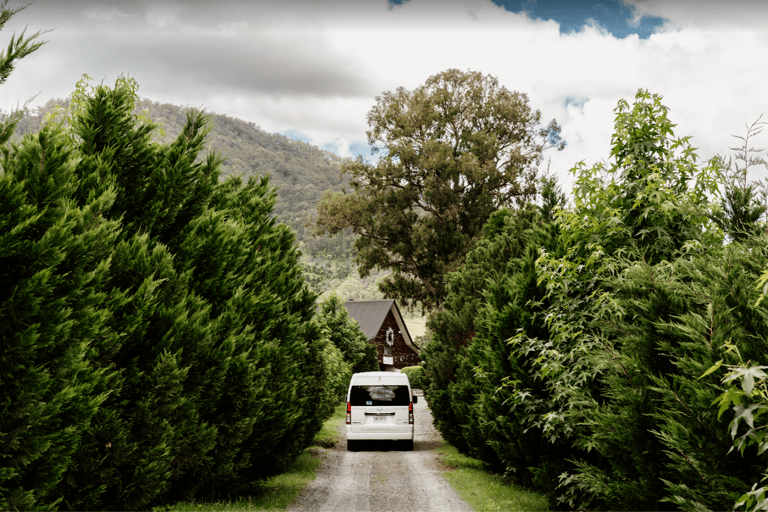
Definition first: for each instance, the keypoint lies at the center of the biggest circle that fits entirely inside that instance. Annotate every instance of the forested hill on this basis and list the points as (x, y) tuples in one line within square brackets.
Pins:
[(301, 172)]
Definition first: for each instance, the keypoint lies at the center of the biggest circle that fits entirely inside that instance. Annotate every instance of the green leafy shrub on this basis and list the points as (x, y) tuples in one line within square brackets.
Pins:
[(668, 444), (415, 376), (337, 377), (649, 206), (345, 334), (746, 393), (454, 385)]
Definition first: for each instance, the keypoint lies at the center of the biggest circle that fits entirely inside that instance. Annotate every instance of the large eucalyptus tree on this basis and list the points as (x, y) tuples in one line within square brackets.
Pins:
[(454, 150)]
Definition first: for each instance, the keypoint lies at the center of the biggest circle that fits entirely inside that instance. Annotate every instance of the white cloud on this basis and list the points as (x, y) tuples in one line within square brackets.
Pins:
[(102, 14), (737, 15), (315, 67), (164, 14)]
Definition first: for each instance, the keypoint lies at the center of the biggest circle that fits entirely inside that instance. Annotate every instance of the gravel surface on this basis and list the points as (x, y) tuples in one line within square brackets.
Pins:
[(380, 477)]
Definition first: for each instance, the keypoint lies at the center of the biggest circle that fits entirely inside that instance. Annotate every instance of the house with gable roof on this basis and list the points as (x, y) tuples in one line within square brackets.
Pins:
[(385, 328)]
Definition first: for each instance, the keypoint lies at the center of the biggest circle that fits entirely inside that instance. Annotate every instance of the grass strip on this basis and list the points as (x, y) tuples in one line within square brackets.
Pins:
[(281, 490), (484, 491), (330, 434)]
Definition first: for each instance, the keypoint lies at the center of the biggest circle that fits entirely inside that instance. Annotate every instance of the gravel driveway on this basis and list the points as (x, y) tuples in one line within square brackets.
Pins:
[(379, 477)]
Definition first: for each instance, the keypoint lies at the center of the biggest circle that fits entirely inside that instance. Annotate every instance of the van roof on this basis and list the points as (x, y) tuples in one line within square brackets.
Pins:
[(380, 374), (376, 376)]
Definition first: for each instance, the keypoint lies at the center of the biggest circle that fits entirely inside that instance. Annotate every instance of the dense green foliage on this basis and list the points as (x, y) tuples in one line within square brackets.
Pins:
[(158, 335), (579, 372), (51, 268), (415, 376), (455, 150), (470, 356), (337, 376), (747, 393), (668, 443), (347, 351), (345, 334), (53, 265)]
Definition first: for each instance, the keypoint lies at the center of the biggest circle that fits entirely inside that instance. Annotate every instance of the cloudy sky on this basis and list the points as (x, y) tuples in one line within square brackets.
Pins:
[(311, 69)]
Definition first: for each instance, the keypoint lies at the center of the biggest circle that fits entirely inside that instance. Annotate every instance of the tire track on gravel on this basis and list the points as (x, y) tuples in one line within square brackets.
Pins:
[(379, 477)]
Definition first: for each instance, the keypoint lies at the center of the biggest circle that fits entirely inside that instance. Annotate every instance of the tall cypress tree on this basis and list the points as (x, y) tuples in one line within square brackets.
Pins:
[(148, 430), (509, 397), (452, 357), (218, 361), (266, 311), (53, 263)]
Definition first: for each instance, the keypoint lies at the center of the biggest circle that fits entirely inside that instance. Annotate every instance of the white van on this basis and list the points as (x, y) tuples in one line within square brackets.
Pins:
[(380, 407)]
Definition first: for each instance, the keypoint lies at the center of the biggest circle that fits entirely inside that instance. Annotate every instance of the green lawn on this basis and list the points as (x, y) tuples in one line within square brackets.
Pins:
[(485, 492), (329, 435)]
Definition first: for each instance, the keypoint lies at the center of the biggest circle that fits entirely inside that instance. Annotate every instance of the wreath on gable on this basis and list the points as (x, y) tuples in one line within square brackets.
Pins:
[(390, 340)]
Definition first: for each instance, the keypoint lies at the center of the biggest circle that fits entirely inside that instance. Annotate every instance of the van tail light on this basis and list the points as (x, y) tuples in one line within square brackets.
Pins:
[(349, 413), (410, 414)]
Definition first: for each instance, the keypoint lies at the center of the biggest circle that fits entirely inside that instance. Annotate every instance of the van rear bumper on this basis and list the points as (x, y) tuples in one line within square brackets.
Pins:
[(355, 433)]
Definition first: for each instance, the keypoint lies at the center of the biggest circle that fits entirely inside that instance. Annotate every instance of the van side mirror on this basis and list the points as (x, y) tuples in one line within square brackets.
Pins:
[(415, 399)]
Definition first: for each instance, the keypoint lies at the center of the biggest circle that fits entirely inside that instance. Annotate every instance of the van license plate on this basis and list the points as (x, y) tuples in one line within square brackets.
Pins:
[(382, 419)]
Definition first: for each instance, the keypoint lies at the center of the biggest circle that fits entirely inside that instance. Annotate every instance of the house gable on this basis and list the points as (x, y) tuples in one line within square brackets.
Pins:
[(376, 319)]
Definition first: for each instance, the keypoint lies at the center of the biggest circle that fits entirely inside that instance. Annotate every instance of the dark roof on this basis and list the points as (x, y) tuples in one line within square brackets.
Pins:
[(370, 314)]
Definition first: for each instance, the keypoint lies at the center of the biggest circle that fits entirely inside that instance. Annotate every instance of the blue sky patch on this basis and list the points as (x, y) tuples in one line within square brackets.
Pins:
[(333, 147), (296, 135), (572, 15), (364, 150), (356, 148), (613, 15), (576, 101)]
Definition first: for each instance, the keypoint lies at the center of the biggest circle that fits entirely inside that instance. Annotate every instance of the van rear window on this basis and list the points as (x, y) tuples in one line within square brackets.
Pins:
[(379, 395)]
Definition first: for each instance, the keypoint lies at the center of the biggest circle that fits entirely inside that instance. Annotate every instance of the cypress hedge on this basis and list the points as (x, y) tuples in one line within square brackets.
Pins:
[(159, 341), (579, 373), (54, 262), (416, 376)]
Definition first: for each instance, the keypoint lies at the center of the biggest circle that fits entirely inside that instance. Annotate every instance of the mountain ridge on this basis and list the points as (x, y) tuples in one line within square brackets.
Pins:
[(299, 171)]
